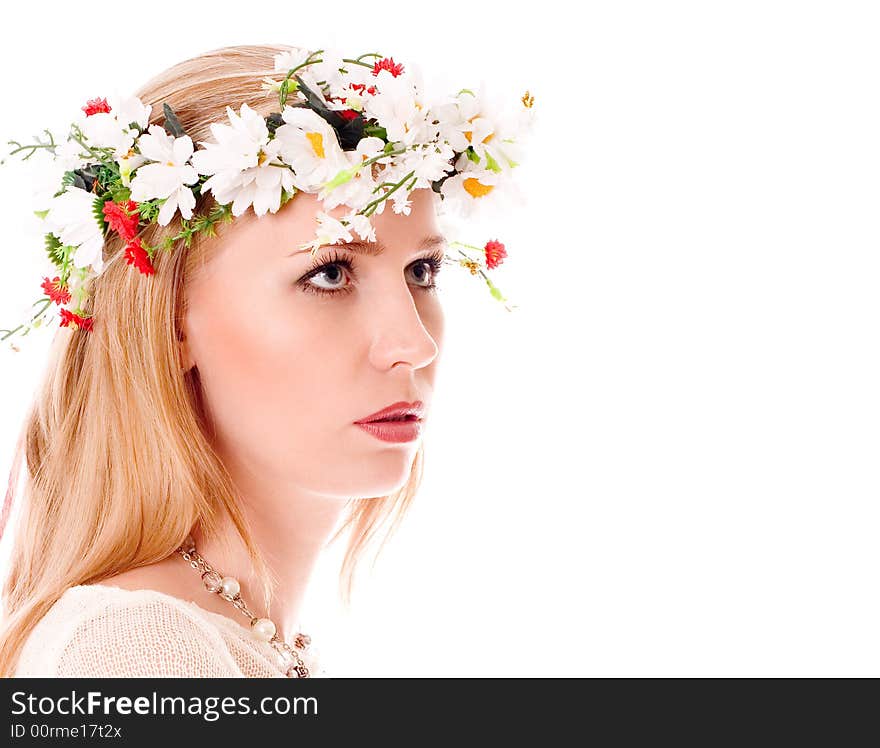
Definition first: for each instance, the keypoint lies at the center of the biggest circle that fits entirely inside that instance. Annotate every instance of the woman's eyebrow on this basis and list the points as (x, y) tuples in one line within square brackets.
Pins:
[(374, 249)]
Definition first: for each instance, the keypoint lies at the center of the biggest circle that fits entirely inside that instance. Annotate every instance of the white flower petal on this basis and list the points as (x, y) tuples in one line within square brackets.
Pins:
[(167, 211), (182, 150)]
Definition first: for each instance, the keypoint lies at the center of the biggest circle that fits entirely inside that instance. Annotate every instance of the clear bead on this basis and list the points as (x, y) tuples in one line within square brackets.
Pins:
[(212, 581)]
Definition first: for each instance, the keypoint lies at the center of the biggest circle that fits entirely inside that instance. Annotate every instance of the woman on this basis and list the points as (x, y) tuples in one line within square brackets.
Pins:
[(217, 420)]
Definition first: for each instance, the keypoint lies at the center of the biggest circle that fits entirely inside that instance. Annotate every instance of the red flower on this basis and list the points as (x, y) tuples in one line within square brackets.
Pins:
[(136, 255), (359, 87), (56, 290), (346, 114), (122, 217), (495, 253), (93, 106), (387, 63), (69, 319)]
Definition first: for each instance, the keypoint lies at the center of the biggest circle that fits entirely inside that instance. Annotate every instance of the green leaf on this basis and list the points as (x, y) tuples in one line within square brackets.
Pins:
[(285, 195), (491, 163), (41, 213), (172, 124), (98, 213), (69, 179), (54, 250), (148, 210), (377, 131), (343, 176), (119, 193)]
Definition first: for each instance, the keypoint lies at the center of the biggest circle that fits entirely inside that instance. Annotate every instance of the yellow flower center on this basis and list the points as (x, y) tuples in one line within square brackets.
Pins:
[(475, 188), (317, 142), (261, 157)]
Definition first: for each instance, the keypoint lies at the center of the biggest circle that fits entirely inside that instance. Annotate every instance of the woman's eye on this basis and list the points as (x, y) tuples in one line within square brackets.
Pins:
[(335, 279), (425, 274), (330, 277)]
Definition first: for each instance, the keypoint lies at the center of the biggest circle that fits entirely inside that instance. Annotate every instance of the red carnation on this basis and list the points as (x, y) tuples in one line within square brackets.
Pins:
[(136, 255), (122, 217), (387, 63), (93, 106), (359, 87), (55, 290), (346, 114), (69, 319), (494, 254)]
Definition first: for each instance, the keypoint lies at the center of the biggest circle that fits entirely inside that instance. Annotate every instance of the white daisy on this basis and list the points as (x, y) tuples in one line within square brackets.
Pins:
[(329, 231), (401, 203), (488, 189), (260, 186), (361, 224), (70, 155), (238, 144), (322, 75), (397, 107), (506, 146), (168, 176), (290, 59), (127, 165), (464, 123), (243, 164), (129, 109), (284, 62), (358, 190), (496, 138), (113, 129), (429, 162), (309, 145), (72, 219), (328, 72)]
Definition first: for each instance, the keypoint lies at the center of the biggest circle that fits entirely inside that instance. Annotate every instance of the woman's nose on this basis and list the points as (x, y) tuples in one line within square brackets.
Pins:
[(399, 332)]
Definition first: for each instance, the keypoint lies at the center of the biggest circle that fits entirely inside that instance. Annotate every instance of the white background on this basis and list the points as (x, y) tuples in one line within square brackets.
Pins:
[(664, 462)]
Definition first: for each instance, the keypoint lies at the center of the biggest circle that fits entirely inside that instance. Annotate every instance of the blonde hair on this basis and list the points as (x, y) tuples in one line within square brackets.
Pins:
[(119, 465)]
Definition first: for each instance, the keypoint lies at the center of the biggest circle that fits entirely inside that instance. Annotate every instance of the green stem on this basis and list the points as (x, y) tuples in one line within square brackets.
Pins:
[(101, 154), (370, 207), (46, 301), (469, 246), (282, 98), (358, 60), (33, 148)]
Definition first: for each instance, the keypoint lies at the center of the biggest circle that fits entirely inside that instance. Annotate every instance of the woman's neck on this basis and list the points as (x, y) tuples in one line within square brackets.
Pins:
[(290, 529)]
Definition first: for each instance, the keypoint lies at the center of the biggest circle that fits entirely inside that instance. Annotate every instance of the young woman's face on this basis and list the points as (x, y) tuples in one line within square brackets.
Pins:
[(289, 360)]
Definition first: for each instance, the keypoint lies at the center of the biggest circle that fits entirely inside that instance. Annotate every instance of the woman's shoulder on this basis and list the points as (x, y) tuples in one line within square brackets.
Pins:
[(101, 630)]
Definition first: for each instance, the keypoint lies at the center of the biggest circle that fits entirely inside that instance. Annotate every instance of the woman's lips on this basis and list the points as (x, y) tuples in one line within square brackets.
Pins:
[(393, 431)]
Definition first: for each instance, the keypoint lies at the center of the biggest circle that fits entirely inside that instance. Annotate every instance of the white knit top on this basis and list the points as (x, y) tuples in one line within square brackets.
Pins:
[(98, 631)]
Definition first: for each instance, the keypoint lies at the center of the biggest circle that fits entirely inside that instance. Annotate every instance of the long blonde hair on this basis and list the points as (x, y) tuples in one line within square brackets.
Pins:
[(119, 465)]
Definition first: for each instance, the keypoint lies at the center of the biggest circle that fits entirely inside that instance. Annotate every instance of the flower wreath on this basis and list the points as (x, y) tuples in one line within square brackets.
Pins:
[(119, 174)]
